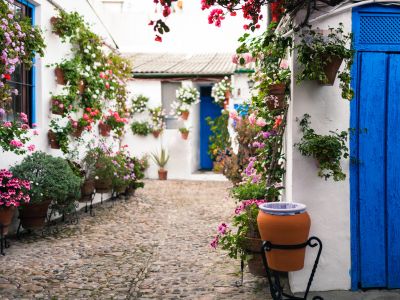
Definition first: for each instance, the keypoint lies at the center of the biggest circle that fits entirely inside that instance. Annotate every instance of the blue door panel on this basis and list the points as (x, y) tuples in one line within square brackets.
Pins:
[(208, 108), (372, 170)]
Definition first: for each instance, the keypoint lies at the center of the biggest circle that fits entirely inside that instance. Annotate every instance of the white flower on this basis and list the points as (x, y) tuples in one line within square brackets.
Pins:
[(96, 177), (94, 55), (87, 68)]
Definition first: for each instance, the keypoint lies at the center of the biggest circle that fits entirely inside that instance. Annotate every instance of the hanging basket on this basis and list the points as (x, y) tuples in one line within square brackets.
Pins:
[(104, 129), (331, 69), (284, 223), (6, 215), (54, 144), (60, 78), (276, 98)]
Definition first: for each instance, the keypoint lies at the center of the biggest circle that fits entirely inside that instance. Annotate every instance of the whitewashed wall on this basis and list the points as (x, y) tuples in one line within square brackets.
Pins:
[(328, 202)]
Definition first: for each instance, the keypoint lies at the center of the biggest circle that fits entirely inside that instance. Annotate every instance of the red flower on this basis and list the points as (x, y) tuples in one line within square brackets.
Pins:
[(7, 76), (158, 38), (151, 23), (107, 85)]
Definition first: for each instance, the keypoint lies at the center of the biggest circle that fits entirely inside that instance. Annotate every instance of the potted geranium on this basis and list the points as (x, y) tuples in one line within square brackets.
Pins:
[(14, 134), (221, 92), (14, 192), (158, 120), (184, 132), (52, 179), (161, 160), (112, 121)]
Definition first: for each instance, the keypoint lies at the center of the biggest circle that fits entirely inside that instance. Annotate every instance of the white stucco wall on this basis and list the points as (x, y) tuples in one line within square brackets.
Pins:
[(328, 202)]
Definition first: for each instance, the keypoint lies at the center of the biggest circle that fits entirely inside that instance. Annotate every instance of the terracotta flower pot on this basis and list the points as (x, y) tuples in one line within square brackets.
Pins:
[(53, 140), (162, 174), (156, 133), (6, 215), (81, 86), (103, 185), (277, 101), (185, 135), (33, 216), (104, 129), (77, 132), (60, 78), (255, 264), (87, 187), (284, 230), (53, 21), (185, 115), (331, 69)]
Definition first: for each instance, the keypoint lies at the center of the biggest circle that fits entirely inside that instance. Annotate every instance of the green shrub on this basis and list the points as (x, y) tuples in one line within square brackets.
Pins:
[(141, 128)]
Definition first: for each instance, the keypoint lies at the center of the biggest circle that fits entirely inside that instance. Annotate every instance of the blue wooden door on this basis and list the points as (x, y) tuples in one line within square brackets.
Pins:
[(208, 108), (375, 177)]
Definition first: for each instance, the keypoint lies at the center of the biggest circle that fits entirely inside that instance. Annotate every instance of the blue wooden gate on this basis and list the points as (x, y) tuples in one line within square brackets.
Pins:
[(375, 177), (208, 108)]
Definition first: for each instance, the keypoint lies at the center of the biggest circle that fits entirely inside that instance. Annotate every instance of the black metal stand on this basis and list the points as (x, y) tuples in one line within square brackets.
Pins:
[(3, 240), (90, 207), (275, 285)]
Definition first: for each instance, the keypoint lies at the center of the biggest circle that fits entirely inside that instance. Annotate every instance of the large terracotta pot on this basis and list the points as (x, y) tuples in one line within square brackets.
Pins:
[(331, 69), (60, 78), (162, 174), (53, 140), (33, 216), (284, 230), (104, 129), (6, 215), (255, 264), (278, 91), (103, 185), (185, 115)]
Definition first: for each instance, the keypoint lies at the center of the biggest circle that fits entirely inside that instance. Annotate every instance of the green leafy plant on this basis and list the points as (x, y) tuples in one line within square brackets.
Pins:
[(248, 190), (219, 140), (139, 104), (183, 130), (51, 179), (67, 25), (161, 159), (316, 50), (62, 134), (328, 150), (141, 128)]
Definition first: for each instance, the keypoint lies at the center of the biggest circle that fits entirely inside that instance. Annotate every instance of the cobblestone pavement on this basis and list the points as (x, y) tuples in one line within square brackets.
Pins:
[(152, 246)]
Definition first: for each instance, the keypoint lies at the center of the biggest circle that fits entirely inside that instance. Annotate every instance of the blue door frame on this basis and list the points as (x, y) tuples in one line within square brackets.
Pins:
[(387, 42)]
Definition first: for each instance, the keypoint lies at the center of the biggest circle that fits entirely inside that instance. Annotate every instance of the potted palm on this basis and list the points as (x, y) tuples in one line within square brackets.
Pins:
[(52, 180), (13, 193), (161, 160)]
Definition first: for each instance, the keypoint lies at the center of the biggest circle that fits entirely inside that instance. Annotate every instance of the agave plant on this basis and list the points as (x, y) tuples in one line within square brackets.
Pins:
[(161, 159)]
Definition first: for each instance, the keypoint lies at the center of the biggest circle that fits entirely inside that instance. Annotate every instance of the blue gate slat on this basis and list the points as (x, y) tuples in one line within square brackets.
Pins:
[(393, 172), (372, 170)]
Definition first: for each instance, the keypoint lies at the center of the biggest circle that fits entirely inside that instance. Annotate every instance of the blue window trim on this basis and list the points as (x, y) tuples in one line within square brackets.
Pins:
[(33, 103)]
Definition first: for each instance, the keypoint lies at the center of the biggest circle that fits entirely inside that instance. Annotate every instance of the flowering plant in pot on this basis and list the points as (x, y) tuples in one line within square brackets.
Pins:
[(112, 121), (139, 104), (180, 109), (105, 169), (185, 98), (141, 128), (52, 179), (68, 71), (124, 172), (322, 54), (14, 192), (14, 135), (157, 115), (67, 24), (137, 168), (161, 159), (59, 135), (221, 91), (62, 104), (184, 132)]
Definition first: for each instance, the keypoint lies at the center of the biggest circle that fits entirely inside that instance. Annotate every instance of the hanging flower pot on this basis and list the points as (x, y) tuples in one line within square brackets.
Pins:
[(284, 223), (60, 78), (156, 133), (331, 69), (54, 144), (276, 98), (77, 132), (57, 108), (53, 22), (81, 86), (6, 215), (103, 185), (104, 129), (185, 115), (162, 174), (33, 215), (255, 263)]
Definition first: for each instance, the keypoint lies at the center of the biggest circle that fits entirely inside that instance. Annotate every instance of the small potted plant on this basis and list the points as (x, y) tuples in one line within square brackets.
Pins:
[(68, 72), (137, 168), (221, 92), (52, 179), (161, 160), (186, 97), (59, 136), (184, 132), (14, 192), (66, 24), (158, 120), (112, 121), (141, 128), (139, 104)]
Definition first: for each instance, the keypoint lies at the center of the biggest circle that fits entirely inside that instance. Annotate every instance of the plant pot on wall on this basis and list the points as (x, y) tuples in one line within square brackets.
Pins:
[(54, 144), (53, 21), (77, 132), (60, 78), (276, 98), (331, 69), (55, 108), (33, 215), (284, 223), (185, 115), (162, 174), (104, 129), (185, 135), (156, 133), (6, 215), (81, 87)]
